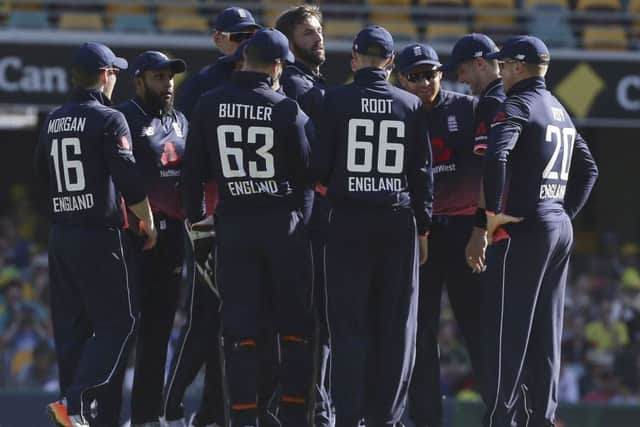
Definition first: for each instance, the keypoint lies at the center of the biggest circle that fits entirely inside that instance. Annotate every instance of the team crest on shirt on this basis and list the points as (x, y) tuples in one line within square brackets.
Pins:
[(148, 131), (178, 129), (452, 123), (558, 114)]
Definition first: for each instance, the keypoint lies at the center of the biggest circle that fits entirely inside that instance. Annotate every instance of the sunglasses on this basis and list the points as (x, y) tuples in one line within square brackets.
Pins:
[(111, 70), (507, 61), (238, 37), (422, 75)]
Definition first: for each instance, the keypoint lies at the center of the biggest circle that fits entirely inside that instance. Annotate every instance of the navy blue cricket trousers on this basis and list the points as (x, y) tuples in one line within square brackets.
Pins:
[(446, 265), (159, 273), (197, 345), (94, 318), (264, 270), (372, 286), (318, 231), (522, 309)]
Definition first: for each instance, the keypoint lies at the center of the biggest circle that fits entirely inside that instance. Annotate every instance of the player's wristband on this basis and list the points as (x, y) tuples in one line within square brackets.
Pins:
[(481, 218)]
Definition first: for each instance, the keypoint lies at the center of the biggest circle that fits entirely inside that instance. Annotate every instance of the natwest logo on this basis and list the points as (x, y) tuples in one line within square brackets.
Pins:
[(16, 77)]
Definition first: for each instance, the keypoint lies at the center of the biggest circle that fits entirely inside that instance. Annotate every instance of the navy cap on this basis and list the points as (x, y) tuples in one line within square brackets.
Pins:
[(271, 44), (235, 20), (527, 49), (374, 41), (154, 60), (94, 56), (469, 47), (415, 55)]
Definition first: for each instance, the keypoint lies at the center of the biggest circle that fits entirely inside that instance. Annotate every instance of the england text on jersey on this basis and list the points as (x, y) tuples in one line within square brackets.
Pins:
[(241, 188), (368, 183), (72, 203)]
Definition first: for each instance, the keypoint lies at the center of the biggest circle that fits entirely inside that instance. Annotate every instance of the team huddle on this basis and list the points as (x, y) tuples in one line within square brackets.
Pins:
[(318, 227)]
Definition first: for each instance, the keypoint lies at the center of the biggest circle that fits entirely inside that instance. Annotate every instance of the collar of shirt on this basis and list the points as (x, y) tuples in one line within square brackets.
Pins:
[(491, 87), (370, 75), (225, 62), (81, 94), (142, 106), (252, 79), (527, 84), (441, 99), (144, 109), (306, 71)]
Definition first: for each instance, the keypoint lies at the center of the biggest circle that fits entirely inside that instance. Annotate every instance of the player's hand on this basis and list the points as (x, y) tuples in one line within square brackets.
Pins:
[(151, 234), (495, 221), (476, 249), (423, 244)]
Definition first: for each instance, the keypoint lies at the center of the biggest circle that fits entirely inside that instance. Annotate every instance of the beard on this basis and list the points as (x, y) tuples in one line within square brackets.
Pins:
[(158, 102), (309, 56)]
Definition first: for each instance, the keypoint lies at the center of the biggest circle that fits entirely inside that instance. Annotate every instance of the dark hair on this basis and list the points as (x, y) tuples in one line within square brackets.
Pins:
[(82, 78), (297, 15), (253, 56)]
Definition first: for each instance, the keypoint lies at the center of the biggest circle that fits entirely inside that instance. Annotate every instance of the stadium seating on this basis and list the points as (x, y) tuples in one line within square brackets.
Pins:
[(132, 23), (401, 30), (342, 29), (602, 24), (553, 29), (272, 10), (28, 19), (444, 32), (493, 15), (604, 38), (183, 23), (598, 5), (80, 21), (131, 7)]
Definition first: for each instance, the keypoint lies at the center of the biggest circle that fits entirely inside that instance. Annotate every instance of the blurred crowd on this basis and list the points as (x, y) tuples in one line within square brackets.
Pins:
[(600, 350)]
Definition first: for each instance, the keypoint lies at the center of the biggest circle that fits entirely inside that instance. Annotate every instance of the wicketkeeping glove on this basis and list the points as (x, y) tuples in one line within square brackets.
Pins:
[(201, 235)]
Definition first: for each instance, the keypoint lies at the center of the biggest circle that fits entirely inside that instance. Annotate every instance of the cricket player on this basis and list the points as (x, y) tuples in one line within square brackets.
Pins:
[(86, 163), (159, 133), (538, 175), (374, 156), (253, 142), (303, 81), (456, 174)]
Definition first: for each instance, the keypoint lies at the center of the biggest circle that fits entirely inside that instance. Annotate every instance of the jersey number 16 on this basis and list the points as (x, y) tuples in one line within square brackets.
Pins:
[(72, 181)]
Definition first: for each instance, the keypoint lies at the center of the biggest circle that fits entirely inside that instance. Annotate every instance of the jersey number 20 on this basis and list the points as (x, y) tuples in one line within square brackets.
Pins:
[(68, 165), (231, 158), (564, 139), (360, 153)]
